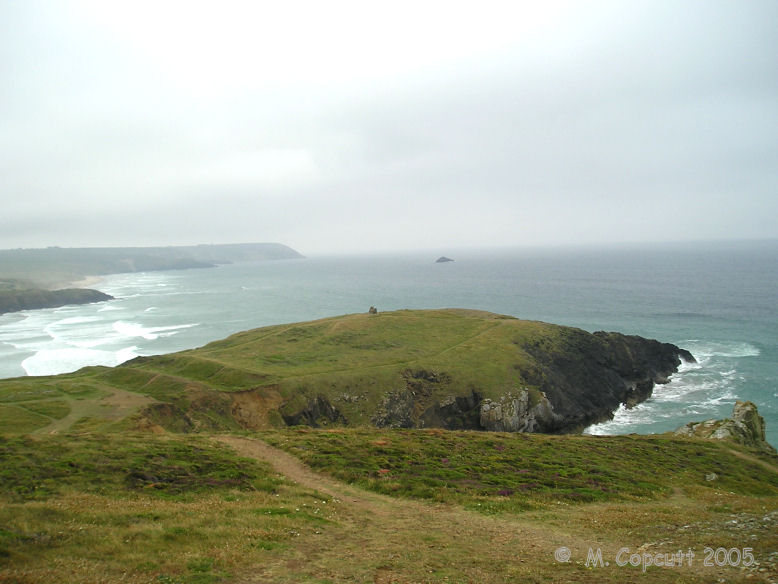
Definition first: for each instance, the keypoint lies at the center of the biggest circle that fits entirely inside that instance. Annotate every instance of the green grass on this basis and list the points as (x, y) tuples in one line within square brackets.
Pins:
[(21, 419), (353, 361), (494, 472), (37, 468), (55, 408), (355, 345), (141, 508)]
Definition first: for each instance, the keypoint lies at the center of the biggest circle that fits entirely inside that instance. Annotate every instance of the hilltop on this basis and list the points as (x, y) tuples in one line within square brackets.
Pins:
[(454, 369)]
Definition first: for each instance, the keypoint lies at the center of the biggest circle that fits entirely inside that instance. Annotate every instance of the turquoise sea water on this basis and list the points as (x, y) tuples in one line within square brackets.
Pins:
[(716, 299)]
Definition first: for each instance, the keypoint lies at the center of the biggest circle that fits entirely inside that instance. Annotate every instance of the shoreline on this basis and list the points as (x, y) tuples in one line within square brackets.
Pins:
[(85, 282)]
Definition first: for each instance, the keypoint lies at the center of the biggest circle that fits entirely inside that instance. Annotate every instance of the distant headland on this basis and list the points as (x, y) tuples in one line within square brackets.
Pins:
[(443, 260), (29, 278)]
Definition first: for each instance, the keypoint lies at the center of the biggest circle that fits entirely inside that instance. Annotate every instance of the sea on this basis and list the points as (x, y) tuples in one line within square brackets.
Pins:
[(716, 299)]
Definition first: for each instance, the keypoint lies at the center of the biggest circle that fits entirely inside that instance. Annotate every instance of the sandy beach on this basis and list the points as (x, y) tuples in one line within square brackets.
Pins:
[(86, 282)]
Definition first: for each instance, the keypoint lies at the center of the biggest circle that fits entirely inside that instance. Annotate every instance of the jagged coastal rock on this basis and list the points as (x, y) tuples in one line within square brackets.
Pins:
[(745, 426), (568, 388)]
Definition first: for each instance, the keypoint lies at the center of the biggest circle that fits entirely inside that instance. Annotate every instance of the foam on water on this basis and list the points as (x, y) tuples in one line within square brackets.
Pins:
[(705, 350), (133, 329), (65, 360), (64, 339), (701, 389)]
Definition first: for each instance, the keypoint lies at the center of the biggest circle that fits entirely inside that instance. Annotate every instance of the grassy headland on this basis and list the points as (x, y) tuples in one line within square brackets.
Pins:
[(456, 369), (164, 469)]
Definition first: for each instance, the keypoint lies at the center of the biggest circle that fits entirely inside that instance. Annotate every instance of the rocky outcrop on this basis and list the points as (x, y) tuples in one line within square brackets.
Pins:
[(573, 384), (443, 260), (415, 405), (16, 300), (587, 377), (317, 412), (523, 411), (745, 426)]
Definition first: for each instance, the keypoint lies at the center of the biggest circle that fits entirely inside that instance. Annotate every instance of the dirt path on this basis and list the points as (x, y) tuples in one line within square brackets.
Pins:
[(294, 469), (381, 539), (385, 539)]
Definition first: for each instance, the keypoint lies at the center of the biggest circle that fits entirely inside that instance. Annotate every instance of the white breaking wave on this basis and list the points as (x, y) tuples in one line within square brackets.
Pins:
[(65, 339), (133, 329), (697, 391), (703, 350), (54, 361)]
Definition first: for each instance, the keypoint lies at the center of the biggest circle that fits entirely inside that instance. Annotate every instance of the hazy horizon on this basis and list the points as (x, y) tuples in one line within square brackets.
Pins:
[(421, 126), (472, 249)]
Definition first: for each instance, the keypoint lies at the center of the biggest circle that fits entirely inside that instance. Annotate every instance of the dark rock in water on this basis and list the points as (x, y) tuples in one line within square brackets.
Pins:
[(15, 300), (443, 259), (745, 426)]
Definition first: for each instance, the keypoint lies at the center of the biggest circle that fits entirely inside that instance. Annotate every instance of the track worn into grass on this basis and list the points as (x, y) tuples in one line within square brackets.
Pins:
[(382, 539)]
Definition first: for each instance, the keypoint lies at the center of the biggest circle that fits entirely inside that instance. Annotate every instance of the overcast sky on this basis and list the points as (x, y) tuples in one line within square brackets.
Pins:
[(340, 126)]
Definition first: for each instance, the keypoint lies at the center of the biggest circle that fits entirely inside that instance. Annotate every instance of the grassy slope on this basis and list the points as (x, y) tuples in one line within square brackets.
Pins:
[(353, 360), (515, 472), (143, 508), (139, 508)]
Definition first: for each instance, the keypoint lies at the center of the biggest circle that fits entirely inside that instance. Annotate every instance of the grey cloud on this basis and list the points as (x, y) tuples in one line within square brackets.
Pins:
[(647, 120)]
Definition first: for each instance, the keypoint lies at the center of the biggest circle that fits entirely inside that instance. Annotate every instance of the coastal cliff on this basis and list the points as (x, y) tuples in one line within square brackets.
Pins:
[(571, 383), (34, 278)]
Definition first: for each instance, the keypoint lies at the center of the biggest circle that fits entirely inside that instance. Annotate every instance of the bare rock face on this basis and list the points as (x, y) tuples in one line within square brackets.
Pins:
[(521, 411), (317, 412), (745, 426), (589, 376), (415, 404)]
